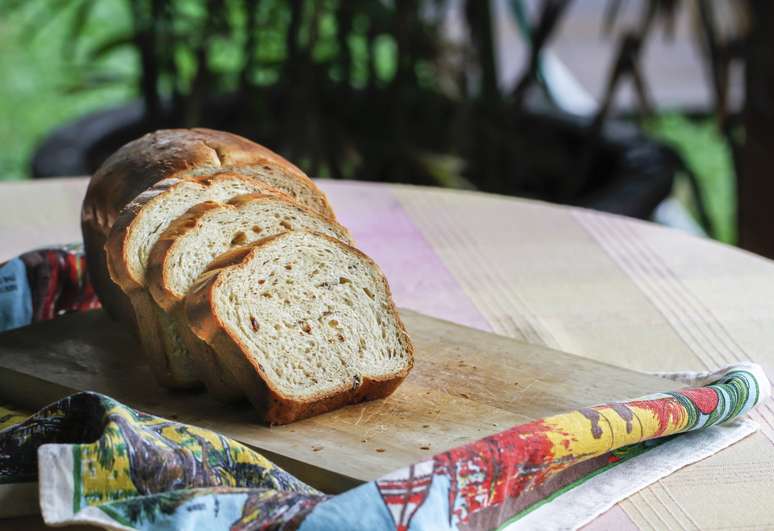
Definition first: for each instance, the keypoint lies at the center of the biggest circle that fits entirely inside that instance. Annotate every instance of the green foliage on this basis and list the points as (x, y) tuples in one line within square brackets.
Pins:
[(707, 154), (365, 90), (41, 88)]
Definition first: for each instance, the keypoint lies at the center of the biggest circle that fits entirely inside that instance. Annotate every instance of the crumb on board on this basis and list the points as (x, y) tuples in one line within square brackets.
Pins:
[(380, 450)]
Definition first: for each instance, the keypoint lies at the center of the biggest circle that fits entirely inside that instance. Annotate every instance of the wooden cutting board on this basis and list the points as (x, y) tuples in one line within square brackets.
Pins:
[(466, 384)]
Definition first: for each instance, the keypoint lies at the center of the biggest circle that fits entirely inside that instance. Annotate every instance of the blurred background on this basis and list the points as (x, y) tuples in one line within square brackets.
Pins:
[(657, 109)]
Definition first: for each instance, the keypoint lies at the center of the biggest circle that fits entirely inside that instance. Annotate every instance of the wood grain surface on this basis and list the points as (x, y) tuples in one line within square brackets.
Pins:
[(466, 384)]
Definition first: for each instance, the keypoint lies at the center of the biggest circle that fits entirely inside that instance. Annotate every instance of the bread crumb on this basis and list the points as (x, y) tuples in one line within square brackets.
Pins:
[(316, 448), (380, 450), (424, 447)]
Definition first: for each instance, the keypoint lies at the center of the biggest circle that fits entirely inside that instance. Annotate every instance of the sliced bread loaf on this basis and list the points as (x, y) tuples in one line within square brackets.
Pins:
[(304, 322), (131, 238), (181, 154), (193, 240)]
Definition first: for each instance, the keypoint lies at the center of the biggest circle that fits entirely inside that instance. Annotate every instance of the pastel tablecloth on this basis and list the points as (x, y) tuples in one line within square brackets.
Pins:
[(616, 290)]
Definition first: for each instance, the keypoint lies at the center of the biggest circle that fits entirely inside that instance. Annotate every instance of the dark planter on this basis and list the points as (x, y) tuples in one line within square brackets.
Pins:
[(80, 146), (628, 174)]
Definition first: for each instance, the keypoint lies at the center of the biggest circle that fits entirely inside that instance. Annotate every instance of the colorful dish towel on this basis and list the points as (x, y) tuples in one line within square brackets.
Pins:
[(44, 284), (100, 462)]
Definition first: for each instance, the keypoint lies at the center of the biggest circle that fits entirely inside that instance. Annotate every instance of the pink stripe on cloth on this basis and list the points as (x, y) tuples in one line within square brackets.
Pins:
[(383, 230)]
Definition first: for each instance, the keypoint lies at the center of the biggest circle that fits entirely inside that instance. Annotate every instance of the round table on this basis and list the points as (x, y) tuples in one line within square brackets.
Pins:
[(613, 289)]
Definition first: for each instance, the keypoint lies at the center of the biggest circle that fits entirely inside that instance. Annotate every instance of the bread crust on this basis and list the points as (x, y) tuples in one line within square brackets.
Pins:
[(157, 272), (272, 406), (142, 308), (202, 355), (116, 252), (220, 383), (156, 156)]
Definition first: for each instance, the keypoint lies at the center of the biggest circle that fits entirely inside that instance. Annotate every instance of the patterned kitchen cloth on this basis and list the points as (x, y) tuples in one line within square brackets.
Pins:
[(100, 462), (44, 284)]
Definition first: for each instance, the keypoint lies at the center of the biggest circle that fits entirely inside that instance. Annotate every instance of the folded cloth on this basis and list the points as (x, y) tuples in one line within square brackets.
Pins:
[(98, 461), (44, 284)]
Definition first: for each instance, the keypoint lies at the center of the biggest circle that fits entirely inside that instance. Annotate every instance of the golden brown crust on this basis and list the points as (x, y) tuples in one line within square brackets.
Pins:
[(116, 253), (163, 154), (156, 272), (202, 356), (143, 311), (145, 161), (157, 269), (115, 245), (272, 407)]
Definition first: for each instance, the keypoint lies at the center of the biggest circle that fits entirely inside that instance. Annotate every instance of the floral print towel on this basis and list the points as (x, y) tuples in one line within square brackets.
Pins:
[(44, 284), (98, 461)]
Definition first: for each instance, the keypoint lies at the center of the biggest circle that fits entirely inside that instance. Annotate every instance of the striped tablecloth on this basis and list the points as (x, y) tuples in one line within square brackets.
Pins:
[(609, 288)]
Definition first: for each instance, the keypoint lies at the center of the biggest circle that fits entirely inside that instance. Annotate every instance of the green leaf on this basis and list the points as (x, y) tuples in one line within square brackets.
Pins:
[(78, 21), (48, 12), (111, 44), (9, 6), (95, 80)]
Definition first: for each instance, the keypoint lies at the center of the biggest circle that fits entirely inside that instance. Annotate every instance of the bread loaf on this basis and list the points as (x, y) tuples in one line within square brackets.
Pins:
[(304, 322), (192, 241), (290, 315), (131, 238), (181, 154)]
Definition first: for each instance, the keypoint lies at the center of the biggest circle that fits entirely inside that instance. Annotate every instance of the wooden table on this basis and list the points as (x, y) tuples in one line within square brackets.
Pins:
[(609, 288)]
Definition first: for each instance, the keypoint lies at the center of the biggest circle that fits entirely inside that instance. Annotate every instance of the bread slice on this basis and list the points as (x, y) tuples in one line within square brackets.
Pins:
[(302, 190), (193, 240), (131, 238), (304, 322), (181, 154)]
